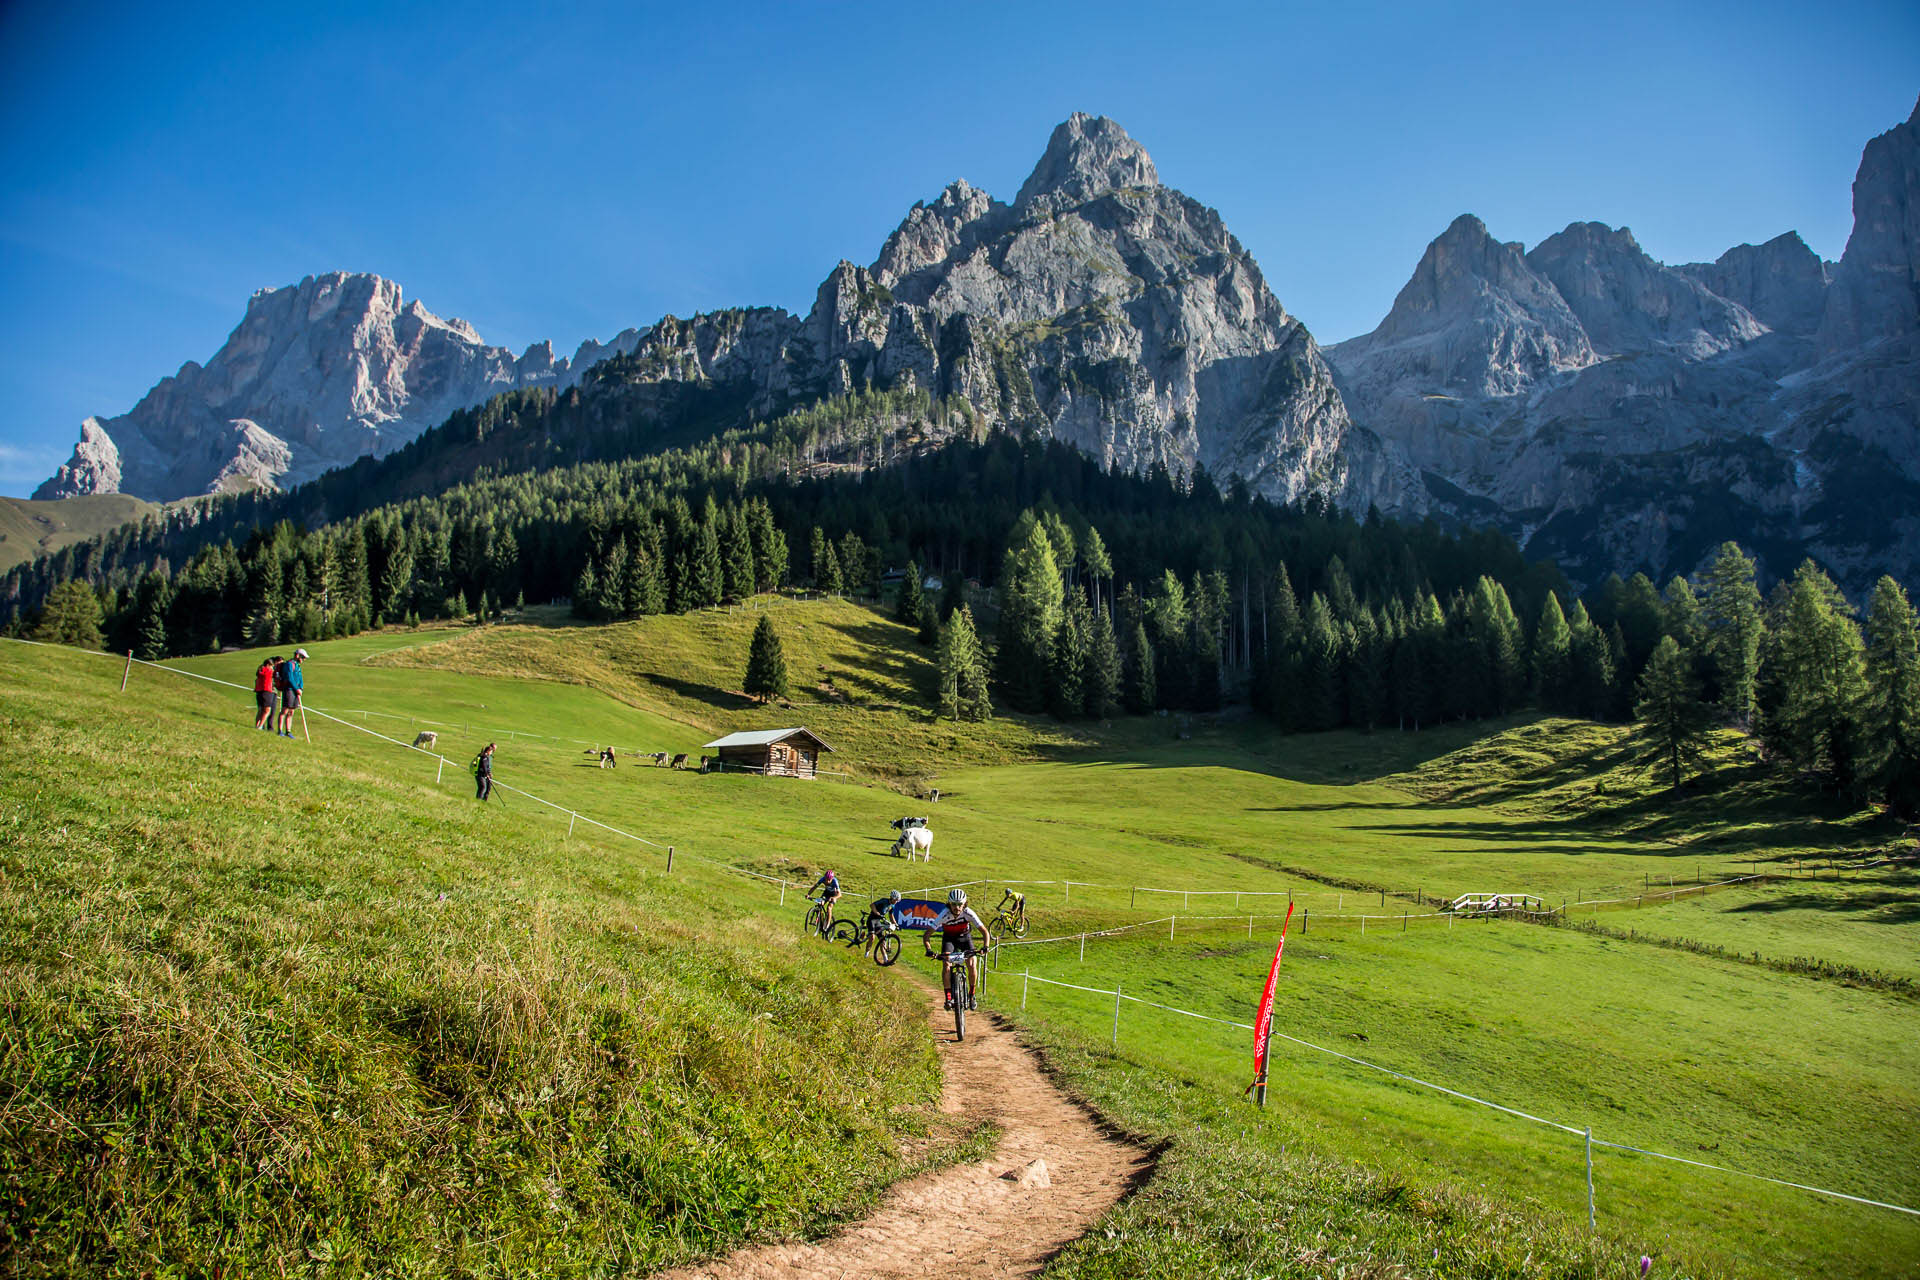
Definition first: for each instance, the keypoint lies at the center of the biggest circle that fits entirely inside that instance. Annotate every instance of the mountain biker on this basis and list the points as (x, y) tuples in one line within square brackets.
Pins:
[(828, 886), (880, 910), (956, 925)]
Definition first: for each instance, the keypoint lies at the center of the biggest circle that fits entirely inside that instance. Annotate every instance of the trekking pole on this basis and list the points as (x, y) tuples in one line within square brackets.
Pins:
[(303, 724)]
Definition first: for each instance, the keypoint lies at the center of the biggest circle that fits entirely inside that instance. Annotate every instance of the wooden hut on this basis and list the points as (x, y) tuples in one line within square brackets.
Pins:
[(788, 753)]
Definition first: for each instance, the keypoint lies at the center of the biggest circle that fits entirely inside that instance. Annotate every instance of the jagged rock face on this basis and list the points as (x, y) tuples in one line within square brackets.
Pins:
[(1100, 308), (1782, 283), (1876, 288), (1628, 303), (1746, 398), (334, 368)]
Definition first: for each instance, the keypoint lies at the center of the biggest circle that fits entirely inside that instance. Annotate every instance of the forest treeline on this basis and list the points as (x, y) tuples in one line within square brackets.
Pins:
[(1093, 592)]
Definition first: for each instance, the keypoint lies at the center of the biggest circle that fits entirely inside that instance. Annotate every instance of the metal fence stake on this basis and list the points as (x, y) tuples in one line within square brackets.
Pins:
[(1116, 1015), (1589, 1177), (1023, 989)]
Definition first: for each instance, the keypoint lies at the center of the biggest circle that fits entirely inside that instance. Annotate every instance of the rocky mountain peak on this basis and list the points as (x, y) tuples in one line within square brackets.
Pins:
[(1087, 156), (1782, 282), (1630, 304), (1876, 287)]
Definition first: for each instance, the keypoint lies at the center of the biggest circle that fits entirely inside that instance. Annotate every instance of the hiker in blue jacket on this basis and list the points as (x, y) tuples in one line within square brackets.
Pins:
[(291, 682)]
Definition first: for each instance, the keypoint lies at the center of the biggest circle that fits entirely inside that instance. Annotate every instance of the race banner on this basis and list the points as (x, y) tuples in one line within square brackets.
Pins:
[(916, 913), (1263, 1019)]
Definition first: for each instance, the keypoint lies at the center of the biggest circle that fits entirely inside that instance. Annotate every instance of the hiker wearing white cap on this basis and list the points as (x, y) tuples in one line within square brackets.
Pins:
[(291, 682)]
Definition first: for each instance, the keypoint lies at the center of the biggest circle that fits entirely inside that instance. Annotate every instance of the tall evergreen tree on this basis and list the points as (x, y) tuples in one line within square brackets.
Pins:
[(1734, 627), (707, 583), (766, 677), (1821, 680), (1672, 719), (1139, 690), (913, 597), (818, 550), (151, 601), (1892, 712), (827, 572), (962, 670), (1100, 685), (1553, 658), (1319, 684), (738, 577), (1592, 672), (1169, 619), (1066, 670), (71, 615), (1030, 609)]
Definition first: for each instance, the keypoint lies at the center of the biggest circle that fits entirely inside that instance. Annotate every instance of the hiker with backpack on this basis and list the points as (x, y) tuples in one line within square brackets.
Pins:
[(263, 692), (290, 681), (483, 773)]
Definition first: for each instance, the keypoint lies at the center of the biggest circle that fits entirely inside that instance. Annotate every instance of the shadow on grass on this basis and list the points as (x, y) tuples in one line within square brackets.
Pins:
[(721, 699)]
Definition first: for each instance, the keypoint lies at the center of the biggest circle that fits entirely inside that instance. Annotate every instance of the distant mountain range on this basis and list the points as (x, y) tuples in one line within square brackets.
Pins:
[(1611, 411)]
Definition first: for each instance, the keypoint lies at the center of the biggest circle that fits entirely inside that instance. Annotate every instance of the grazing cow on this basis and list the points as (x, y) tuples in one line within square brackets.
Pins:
[(607, 759), (903, 824), (427, 738), (680, 761), (915, 841), (658, 757)]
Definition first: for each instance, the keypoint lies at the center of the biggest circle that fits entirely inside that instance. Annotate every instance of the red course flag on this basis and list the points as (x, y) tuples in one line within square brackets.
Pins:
[(1263, 1020)]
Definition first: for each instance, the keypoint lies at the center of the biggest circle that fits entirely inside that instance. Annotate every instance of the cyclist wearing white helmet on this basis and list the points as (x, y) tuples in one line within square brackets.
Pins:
[(955, 926)]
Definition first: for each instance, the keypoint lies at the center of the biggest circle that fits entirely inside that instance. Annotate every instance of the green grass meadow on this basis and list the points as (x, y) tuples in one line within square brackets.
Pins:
[(319, 960)]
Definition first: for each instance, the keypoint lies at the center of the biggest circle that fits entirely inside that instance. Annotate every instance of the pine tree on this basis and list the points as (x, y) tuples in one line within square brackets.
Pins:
[(1367, 673), (1735, 629), (1820, 671), (766, 663), (1138, 689), (708, 582), (1030, 611), (913, 597), (586, 593), (1067, 663), (612, 601), (962, 670), (1100, 684), (852, 553), (1169, 622), (739, 569), (827, 572), (155, 595), (1673, 719), (817, 560), (71, 615), (1592, 675), (1319, 683), (1892, 712), (1553, 659)]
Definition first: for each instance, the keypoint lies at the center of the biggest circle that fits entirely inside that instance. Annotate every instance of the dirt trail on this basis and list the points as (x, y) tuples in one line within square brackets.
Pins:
[(975, 1217)]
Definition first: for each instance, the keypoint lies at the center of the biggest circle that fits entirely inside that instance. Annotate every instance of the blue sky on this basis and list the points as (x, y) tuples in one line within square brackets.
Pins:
[(568, 176)]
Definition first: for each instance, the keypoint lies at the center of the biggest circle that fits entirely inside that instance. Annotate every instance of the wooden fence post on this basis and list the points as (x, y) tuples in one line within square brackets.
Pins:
[(1116, 1015), (669, 859), (127, 672)]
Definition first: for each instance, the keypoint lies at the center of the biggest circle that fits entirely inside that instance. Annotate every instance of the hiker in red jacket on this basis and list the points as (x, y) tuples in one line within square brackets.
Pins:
[(263, 692)]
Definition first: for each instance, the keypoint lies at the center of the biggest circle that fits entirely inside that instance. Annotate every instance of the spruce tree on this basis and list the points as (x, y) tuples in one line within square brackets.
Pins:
[(818, 550), (1030, 611), (71, 615), (150, 639), (1367, 671), (1067, 663), (1820, 671), (1592, 676), (1672, 719), (912, 597), (1734, 630), (613, 583), (739, 580), (586, 593), (708, 583), (1138, 689), (827, 572), (1169, 620), (1892, 711), (1100, 685), (1553, 659), (962, 670), (1318, 688), (766, 663)]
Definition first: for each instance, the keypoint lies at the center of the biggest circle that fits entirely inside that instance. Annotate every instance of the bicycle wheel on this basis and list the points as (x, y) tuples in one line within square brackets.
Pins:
[(886, 949), (816, 917), (845, 931), (961, 989), (1020, 925)]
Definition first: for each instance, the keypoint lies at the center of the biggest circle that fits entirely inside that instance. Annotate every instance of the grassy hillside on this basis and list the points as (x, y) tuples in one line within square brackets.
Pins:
[(282, 1011), (29, 529), (1804, 1076)]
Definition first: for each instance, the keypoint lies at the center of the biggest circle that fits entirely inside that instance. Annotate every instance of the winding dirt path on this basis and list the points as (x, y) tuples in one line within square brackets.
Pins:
[(984, 1218)]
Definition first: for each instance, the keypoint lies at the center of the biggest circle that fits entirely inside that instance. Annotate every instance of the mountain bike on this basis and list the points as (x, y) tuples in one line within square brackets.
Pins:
[(957, 982), (879, 938), (1010, 917), (820, 918)]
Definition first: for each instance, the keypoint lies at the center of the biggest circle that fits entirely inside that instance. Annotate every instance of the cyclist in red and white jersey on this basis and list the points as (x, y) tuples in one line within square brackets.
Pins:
[(955, 926)]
